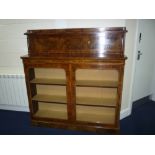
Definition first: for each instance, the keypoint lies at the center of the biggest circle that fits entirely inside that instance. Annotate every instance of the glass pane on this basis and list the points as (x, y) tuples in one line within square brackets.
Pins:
[(96, 95), (48, 90), (50, 73), (97, 74), (95, 114), (51, 110)]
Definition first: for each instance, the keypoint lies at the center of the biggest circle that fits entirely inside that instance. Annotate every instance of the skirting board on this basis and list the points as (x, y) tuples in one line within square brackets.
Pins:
[(14, 107), (124, 113), (152, 97)]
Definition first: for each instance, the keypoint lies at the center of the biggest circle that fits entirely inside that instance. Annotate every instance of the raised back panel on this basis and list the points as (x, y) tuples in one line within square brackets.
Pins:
[(86, 41)]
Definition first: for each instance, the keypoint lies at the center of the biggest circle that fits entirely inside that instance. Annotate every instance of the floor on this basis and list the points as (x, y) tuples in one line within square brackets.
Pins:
[(142, 121)]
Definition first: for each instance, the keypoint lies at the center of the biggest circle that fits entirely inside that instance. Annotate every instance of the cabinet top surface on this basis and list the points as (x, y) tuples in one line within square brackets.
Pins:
[(75, 30), (75, 58)]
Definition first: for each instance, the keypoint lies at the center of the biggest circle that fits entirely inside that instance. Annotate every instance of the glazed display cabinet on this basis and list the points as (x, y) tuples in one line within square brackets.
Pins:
[(74, 78)]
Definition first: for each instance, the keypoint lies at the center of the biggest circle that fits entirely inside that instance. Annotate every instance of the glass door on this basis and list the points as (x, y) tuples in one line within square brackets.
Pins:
[(48, 91), (96, 95)]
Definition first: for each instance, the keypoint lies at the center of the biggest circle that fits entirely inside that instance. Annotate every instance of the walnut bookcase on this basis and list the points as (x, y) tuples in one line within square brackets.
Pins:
[(74, 77)]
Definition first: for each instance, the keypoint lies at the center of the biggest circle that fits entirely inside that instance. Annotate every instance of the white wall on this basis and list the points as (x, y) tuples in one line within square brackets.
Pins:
[(153, 50), (13, 45), (131, 26), (13, 42), (153, 78), (144, 66), (153, 85)]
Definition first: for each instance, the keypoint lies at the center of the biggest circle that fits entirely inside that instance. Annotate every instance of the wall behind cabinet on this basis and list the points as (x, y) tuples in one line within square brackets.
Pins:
[(13, 45)]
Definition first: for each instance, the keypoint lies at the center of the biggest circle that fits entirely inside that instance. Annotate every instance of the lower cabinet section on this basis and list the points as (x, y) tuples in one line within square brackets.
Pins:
[(88, 102), (83, 113), (95, 119)]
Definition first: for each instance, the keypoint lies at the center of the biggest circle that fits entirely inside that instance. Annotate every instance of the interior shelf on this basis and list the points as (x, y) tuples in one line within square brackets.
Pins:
[(50, 98), (97, 83), (49, 81), (94, 101), (49, 110), (95, 114)]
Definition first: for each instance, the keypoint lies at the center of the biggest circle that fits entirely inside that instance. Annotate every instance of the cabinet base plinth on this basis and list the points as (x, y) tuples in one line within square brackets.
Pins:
[(79, 127)]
